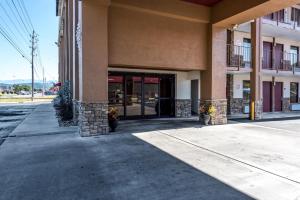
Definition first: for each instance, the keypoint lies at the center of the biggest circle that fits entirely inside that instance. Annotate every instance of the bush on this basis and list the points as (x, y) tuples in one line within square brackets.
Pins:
[(63, 103)]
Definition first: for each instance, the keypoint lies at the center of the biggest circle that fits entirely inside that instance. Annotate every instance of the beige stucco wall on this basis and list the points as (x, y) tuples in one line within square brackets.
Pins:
[(150, 40), (239, 78)]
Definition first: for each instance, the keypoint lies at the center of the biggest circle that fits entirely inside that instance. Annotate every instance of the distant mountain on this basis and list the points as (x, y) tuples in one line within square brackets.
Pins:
[(20, 81)]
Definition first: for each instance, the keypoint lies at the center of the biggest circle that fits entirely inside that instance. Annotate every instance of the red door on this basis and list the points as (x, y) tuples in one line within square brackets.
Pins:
[(279, 56), (267, 55), (278, 96), (267, 96)]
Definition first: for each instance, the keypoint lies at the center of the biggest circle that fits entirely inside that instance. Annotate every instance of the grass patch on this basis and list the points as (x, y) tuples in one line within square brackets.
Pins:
[(25, 99)]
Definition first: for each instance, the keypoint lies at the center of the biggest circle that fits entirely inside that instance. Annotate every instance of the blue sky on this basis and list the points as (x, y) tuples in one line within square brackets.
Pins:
[(12, 65)]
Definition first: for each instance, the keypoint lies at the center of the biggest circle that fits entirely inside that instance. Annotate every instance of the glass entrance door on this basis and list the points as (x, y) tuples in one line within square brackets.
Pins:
[(133, 100), (151, 96), (138, 95), (167, 95)]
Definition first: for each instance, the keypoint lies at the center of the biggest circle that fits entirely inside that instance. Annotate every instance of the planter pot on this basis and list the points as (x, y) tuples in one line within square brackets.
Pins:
[(113, 124), (206, 119)]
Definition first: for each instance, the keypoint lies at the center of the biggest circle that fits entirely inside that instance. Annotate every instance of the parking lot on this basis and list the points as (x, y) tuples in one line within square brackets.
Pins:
[(151, 159), (11, 115)]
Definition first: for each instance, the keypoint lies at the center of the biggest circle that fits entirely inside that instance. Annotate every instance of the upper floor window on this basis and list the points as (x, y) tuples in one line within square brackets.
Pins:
[(294, 53), (295, 15), (276, 16), (247, 50)]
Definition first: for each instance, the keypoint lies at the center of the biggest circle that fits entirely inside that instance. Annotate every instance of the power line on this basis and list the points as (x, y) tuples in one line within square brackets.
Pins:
[(15, 16), (21, 18), (13, 44), (11, 31), (13, 23), (22, 4)]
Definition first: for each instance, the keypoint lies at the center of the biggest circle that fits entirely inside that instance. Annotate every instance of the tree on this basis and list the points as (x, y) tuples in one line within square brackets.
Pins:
[(18, 88)]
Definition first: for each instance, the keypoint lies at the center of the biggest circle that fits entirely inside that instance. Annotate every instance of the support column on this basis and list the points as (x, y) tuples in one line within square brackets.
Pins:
[(213, 80), (75, 66), (256, 106), (93, 67), (70, 43)]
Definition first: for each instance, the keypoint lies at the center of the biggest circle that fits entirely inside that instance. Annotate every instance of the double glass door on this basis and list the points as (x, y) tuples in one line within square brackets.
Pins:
[(142, 95)]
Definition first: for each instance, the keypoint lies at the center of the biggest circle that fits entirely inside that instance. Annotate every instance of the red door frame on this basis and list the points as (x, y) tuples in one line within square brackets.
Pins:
[(267, 55), (267, 96), (279, 56)]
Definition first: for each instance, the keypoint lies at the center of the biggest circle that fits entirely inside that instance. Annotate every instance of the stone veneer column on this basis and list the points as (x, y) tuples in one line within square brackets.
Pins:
[(221, 111), (213, 80), (286, 105), (183, 108), (92, 39), (92, 119), (255, 75)]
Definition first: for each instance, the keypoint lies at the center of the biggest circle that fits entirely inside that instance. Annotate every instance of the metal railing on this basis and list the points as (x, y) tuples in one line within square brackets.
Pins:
[(280, 61), (276, 17), (238, 56)]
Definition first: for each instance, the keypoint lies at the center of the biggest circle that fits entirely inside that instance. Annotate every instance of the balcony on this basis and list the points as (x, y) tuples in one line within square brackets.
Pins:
[(278, 62), (238, 58)]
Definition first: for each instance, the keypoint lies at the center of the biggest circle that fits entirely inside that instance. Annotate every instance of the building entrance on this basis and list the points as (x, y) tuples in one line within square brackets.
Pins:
[(142, 95)]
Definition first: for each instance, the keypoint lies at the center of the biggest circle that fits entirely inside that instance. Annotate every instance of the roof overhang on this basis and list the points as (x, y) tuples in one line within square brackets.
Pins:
[(59, 7), (228, 13)]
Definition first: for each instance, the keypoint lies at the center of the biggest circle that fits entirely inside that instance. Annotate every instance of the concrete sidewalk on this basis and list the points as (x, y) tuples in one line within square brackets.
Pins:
[(42, 121)]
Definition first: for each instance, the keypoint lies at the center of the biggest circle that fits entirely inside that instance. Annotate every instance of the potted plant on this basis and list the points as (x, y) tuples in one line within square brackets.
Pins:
[(113, 118), (206, 113)]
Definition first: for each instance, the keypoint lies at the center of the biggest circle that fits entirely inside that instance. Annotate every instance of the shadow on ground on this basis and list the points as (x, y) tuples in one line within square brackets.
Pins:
[(108, 167)]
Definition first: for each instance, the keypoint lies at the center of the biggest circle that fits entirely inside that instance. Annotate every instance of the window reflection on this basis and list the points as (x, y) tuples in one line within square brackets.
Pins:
[(116, 93)]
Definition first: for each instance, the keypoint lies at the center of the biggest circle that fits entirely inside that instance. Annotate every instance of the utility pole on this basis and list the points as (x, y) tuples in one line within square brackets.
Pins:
[(33, 48), (44, 80)]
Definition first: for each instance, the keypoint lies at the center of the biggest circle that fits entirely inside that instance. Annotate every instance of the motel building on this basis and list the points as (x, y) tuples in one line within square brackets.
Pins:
[(280, 71), (165, 58)]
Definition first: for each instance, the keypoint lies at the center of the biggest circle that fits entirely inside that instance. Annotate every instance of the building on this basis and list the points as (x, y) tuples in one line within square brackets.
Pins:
[(154, 58), (280, 63)]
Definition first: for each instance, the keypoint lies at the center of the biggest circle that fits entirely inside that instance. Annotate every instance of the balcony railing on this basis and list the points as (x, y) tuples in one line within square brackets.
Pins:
[(280, 61), (281, 17), (239, 57)]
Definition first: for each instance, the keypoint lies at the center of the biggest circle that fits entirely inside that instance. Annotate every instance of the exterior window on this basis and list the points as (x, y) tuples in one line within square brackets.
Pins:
[(295, 16), (294, 92), (116, 93), (276, 16), (247, 50), (280, 15), (246, 91), (294, 55)]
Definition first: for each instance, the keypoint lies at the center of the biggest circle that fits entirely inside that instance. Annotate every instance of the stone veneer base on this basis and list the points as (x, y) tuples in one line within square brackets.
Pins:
[(221, 111), (286, 105), (183, 108), (92, 119)]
